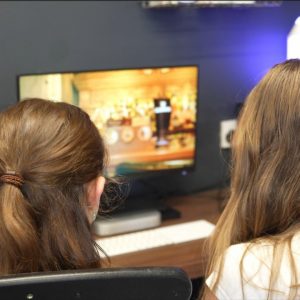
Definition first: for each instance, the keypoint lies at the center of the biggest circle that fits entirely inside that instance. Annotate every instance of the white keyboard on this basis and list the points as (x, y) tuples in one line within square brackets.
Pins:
[(162, 236)]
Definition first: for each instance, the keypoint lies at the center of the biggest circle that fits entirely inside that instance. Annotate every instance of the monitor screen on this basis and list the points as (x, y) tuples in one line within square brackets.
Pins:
[(147, 116)]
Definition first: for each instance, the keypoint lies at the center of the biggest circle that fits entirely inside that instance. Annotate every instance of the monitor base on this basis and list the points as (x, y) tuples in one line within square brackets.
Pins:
[(168, 213)]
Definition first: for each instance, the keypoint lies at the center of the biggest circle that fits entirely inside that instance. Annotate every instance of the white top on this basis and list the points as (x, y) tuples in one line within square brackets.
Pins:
[(256, 272)]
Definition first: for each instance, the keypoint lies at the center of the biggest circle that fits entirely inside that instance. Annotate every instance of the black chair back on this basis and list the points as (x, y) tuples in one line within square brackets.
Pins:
[(153, 283)]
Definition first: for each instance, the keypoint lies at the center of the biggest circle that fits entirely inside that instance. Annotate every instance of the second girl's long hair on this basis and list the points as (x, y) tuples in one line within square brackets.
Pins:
[(57, 150), (264, 203)]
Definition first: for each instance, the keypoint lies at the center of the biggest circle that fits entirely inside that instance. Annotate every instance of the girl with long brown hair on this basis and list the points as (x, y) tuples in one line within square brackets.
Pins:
[(51, 179), (255, 248)]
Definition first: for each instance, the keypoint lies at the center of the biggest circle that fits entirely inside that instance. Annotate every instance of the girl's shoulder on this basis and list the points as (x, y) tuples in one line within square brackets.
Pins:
[(248, 266)]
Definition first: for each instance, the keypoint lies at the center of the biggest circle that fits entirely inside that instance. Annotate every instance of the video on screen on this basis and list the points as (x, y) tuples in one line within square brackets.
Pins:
[(146, 116)]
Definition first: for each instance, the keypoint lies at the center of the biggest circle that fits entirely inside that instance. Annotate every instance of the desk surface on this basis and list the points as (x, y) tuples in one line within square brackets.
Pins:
[(189, 256)]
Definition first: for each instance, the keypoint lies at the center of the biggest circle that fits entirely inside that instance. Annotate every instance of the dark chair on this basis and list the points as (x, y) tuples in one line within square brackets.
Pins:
[(153, 283)]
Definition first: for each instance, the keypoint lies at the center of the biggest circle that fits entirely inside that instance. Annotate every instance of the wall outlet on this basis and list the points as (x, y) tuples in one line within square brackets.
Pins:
[(227, 128)]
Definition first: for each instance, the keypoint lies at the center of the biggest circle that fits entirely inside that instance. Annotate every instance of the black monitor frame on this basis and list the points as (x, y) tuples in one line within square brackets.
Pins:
[(143, 174)]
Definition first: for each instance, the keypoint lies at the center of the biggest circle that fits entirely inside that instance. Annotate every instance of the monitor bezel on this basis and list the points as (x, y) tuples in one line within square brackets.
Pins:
[(183, 171)]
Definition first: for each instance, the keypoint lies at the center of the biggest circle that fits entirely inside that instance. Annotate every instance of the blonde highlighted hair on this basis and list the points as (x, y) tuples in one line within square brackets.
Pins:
[(264, 203)]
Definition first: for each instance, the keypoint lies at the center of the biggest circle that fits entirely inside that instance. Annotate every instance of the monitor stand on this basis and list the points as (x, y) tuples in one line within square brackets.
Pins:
[(138, 214)]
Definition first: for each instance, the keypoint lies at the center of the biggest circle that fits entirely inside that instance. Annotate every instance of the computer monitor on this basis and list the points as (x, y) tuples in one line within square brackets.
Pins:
[(146, 115)]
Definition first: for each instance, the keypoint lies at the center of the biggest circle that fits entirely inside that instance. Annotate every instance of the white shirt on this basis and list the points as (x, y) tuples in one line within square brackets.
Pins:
[(256, 272)]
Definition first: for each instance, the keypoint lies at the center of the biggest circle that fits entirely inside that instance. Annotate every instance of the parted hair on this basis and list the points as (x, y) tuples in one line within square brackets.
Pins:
[(264, 203), (43, 224)]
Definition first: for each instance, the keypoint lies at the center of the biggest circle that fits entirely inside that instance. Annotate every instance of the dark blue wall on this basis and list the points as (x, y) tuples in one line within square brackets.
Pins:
[(232, 47)]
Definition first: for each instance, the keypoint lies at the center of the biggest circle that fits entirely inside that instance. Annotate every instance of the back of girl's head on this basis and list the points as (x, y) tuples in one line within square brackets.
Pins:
[(56, 149), (264, 203), (264, 198), (271, 115), (266, 153)]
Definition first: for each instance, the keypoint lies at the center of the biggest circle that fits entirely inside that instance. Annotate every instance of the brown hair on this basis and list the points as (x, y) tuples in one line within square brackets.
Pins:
[(57, 150), (265, 184)]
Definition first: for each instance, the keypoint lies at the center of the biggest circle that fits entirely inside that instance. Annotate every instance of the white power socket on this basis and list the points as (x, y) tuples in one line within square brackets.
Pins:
[(227, 127)]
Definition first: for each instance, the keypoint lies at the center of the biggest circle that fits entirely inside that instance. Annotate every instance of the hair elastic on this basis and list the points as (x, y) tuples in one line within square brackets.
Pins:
[(11, 177)]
